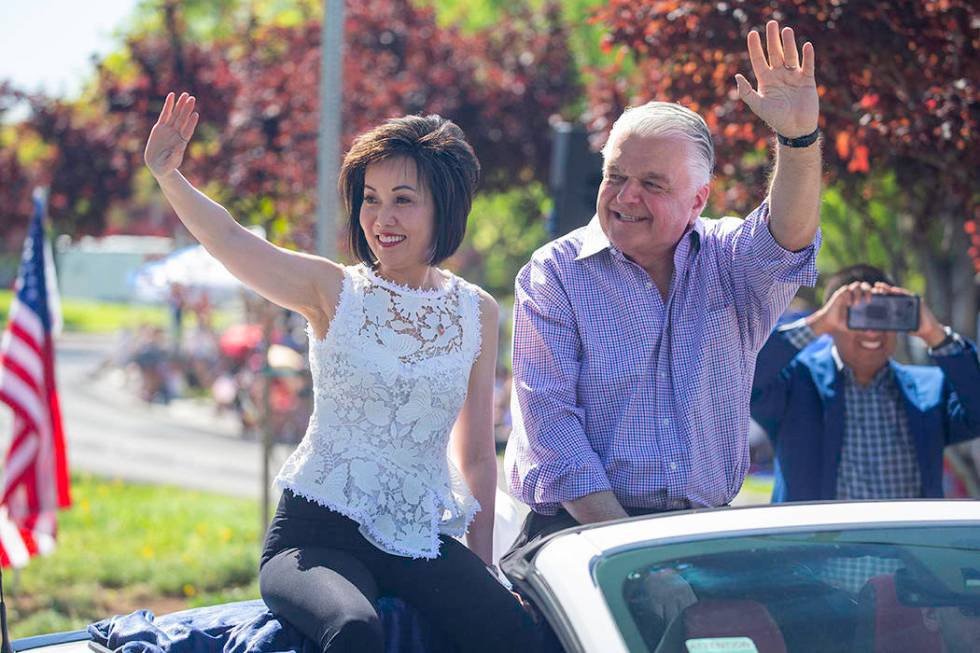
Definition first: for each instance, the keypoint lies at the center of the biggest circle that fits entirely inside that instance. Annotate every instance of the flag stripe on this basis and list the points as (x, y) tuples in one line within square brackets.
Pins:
[(25, 323), (35, 481), (10, 366), (60, 451), (14, 548), (19, 462), (19, 397), (17, 352)]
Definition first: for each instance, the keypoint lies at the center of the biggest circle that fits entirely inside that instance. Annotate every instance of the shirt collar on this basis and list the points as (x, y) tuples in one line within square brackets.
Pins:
[(879, 378), (594, 239), (838, 361)]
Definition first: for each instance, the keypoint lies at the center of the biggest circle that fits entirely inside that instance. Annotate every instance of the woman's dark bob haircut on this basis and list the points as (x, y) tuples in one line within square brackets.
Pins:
[(445, 164)]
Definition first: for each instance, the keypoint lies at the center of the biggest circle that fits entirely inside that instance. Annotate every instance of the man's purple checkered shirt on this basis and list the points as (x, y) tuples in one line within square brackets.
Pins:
[(613, 390)]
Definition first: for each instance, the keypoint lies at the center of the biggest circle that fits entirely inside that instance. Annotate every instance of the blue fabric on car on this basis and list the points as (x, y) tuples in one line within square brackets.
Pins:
[(247, 627)]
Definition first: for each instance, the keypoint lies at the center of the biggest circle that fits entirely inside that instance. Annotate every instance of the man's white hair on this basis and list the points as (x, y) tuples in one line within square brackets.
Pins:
[(668, 119)]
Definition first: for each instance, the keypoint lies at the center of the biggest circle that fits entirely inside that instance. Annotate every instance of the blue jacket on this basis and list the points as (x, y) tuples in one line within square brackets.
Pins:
[(798, 398)]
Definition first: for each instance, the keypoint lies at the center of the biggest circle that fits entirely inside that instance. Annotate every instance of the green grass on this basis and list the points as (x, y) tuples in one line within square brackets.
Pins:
[(106, 317), (755, 490), (98, 317), (123, 547)]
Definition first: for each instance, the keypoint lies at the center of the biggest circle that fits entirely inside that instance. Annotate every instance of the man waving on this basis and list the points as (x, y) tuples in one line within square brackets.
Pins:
[(635, 336)]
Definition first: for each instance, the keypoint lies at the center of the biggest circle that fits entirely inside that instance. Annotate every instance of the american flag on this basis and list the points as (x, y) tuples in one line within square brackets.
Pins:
[(35, 474)]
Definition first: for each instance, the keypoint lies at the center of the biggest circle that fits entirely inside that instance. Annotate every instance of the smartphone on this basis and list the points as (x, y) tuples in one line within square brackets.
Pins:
[(885, 313)]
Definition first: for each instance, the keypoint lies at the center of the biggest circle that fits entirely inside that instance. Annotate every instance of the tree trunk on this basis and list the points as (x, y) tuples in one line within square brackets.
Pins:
[(964, 288), (952, 292), (951, 285)]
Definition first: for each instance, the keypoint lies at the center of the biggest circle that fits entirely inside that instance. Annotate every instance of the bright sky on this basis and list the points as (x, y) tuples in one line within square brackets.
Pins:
[(46, 44)]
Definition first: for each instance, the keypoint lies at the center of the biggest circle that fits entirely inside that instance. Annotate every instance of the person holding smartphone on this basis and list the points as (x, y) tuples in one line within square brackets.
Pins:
[(845, 419)]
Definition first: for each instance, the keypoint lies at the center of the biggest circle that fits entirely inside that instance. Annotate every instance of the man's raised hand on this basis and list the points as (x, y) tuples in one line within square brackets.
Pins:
[(786, 98), (169, 137)]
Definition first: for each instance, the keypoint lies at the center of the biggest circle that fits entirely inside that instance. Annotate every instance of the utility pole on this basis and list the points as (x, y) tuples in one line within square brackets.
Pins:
[(328, 150), (327, 171)]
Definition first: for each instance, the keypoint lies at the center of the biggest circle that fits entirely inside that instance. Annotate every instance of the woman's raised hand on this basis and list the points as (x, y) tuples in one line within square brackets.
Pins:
[(169, 137)]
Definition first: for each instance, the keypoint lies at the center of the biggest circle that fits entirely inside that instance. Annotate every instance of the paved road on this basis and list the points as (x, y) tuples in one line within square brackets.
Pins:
[(112, 433)]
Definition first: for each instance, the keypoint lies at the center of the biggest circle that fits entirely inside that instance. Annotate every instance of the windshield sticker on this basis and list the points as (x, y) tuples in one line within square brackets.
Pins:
[(721, 645)]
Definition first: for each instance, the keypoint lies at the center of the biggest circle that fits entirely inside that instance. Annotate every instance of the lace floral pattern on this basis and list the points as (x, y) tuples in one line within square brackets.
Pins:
[(390, 378), (413, 328)]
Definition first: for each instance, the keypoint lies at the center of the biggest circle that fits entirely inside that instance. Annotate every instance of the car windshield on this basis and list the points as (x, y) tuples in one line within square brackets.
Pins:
[(881, 589)]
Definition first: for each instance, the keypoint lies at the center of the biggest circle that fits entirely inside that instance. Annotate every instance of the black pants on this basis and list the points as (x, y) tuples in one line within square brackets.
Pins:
[(321, 575), (538, 527)]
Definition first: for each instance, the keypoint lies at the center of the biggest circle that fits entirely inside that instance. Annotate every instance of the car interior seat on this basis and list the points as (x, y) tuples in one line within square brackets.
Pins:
[(887, 626), (723, 619)]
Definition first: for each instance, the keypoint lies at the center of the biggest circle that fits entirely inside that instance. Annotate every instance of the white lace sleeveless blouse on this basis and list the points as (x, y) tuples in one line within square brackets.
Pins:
[(389, 379)]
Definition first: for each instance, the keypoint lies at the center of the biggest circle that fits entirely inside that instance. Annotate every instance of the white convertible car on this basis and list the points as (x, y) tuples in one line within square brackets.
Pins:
[(895, 576)]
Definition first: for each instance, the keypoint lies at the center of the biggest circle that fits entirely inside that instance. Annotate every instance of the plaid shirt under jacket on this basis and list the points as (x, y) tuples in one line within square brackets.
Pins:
[(878, 458)]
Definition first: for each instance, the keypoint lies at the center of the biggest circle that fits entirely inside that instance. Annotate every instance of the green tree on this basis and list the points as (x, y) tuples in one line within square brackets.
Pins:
[(258, 91)]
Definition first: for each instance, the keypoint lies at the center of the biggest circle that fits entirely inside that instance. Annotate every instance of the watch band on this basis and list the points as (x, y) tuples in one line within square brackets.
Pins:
[(950, 338), (799, 141)]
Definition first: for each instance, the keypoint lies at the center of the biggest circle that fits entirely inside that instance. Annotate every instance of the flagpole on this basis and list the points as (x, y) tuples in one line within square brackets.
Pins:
[(41, 195), (5, 646)]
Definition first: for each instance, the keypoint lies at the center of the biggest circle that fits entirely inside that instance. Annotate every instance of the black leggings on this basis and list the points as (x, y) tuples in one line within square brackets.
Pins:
[(321, 575)]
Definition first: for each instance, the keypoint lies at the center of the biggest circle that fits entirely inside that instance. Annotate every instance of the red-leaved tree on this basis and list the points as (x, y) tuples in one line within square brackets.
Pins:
[(502, 87), (899, 108), (258, 98), (94, 147), (15, 179)]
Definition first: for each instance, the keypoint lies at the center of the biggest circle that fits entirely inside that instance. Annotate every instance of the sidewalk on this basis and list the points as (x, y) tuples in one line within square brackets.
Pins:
[(196, 414), (111, 432)]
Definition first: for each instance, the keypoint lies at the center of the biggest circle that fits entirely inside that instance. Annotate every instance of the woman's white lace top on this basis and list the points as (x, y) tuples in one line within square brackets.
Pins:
[(389, 380)]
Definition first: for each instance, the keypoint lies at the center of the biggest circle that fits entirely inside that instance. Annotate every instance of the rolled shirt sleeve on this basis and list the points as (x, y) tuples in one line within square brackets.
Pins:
[(773, 260), (764, 276)]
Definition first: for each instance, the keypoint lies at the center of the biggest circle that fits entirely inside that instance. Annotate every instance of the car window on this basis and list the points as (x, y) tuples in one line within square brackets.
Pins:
[(895, 589)]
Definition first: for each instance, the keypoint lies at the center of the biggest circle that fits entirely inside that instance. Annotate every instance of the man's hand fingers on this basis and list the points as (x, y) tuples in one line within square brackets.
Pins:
[(808, 64), (865, 291), (747, 93), (774, 46), (895, 290), (790, 54), (756, 56)]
